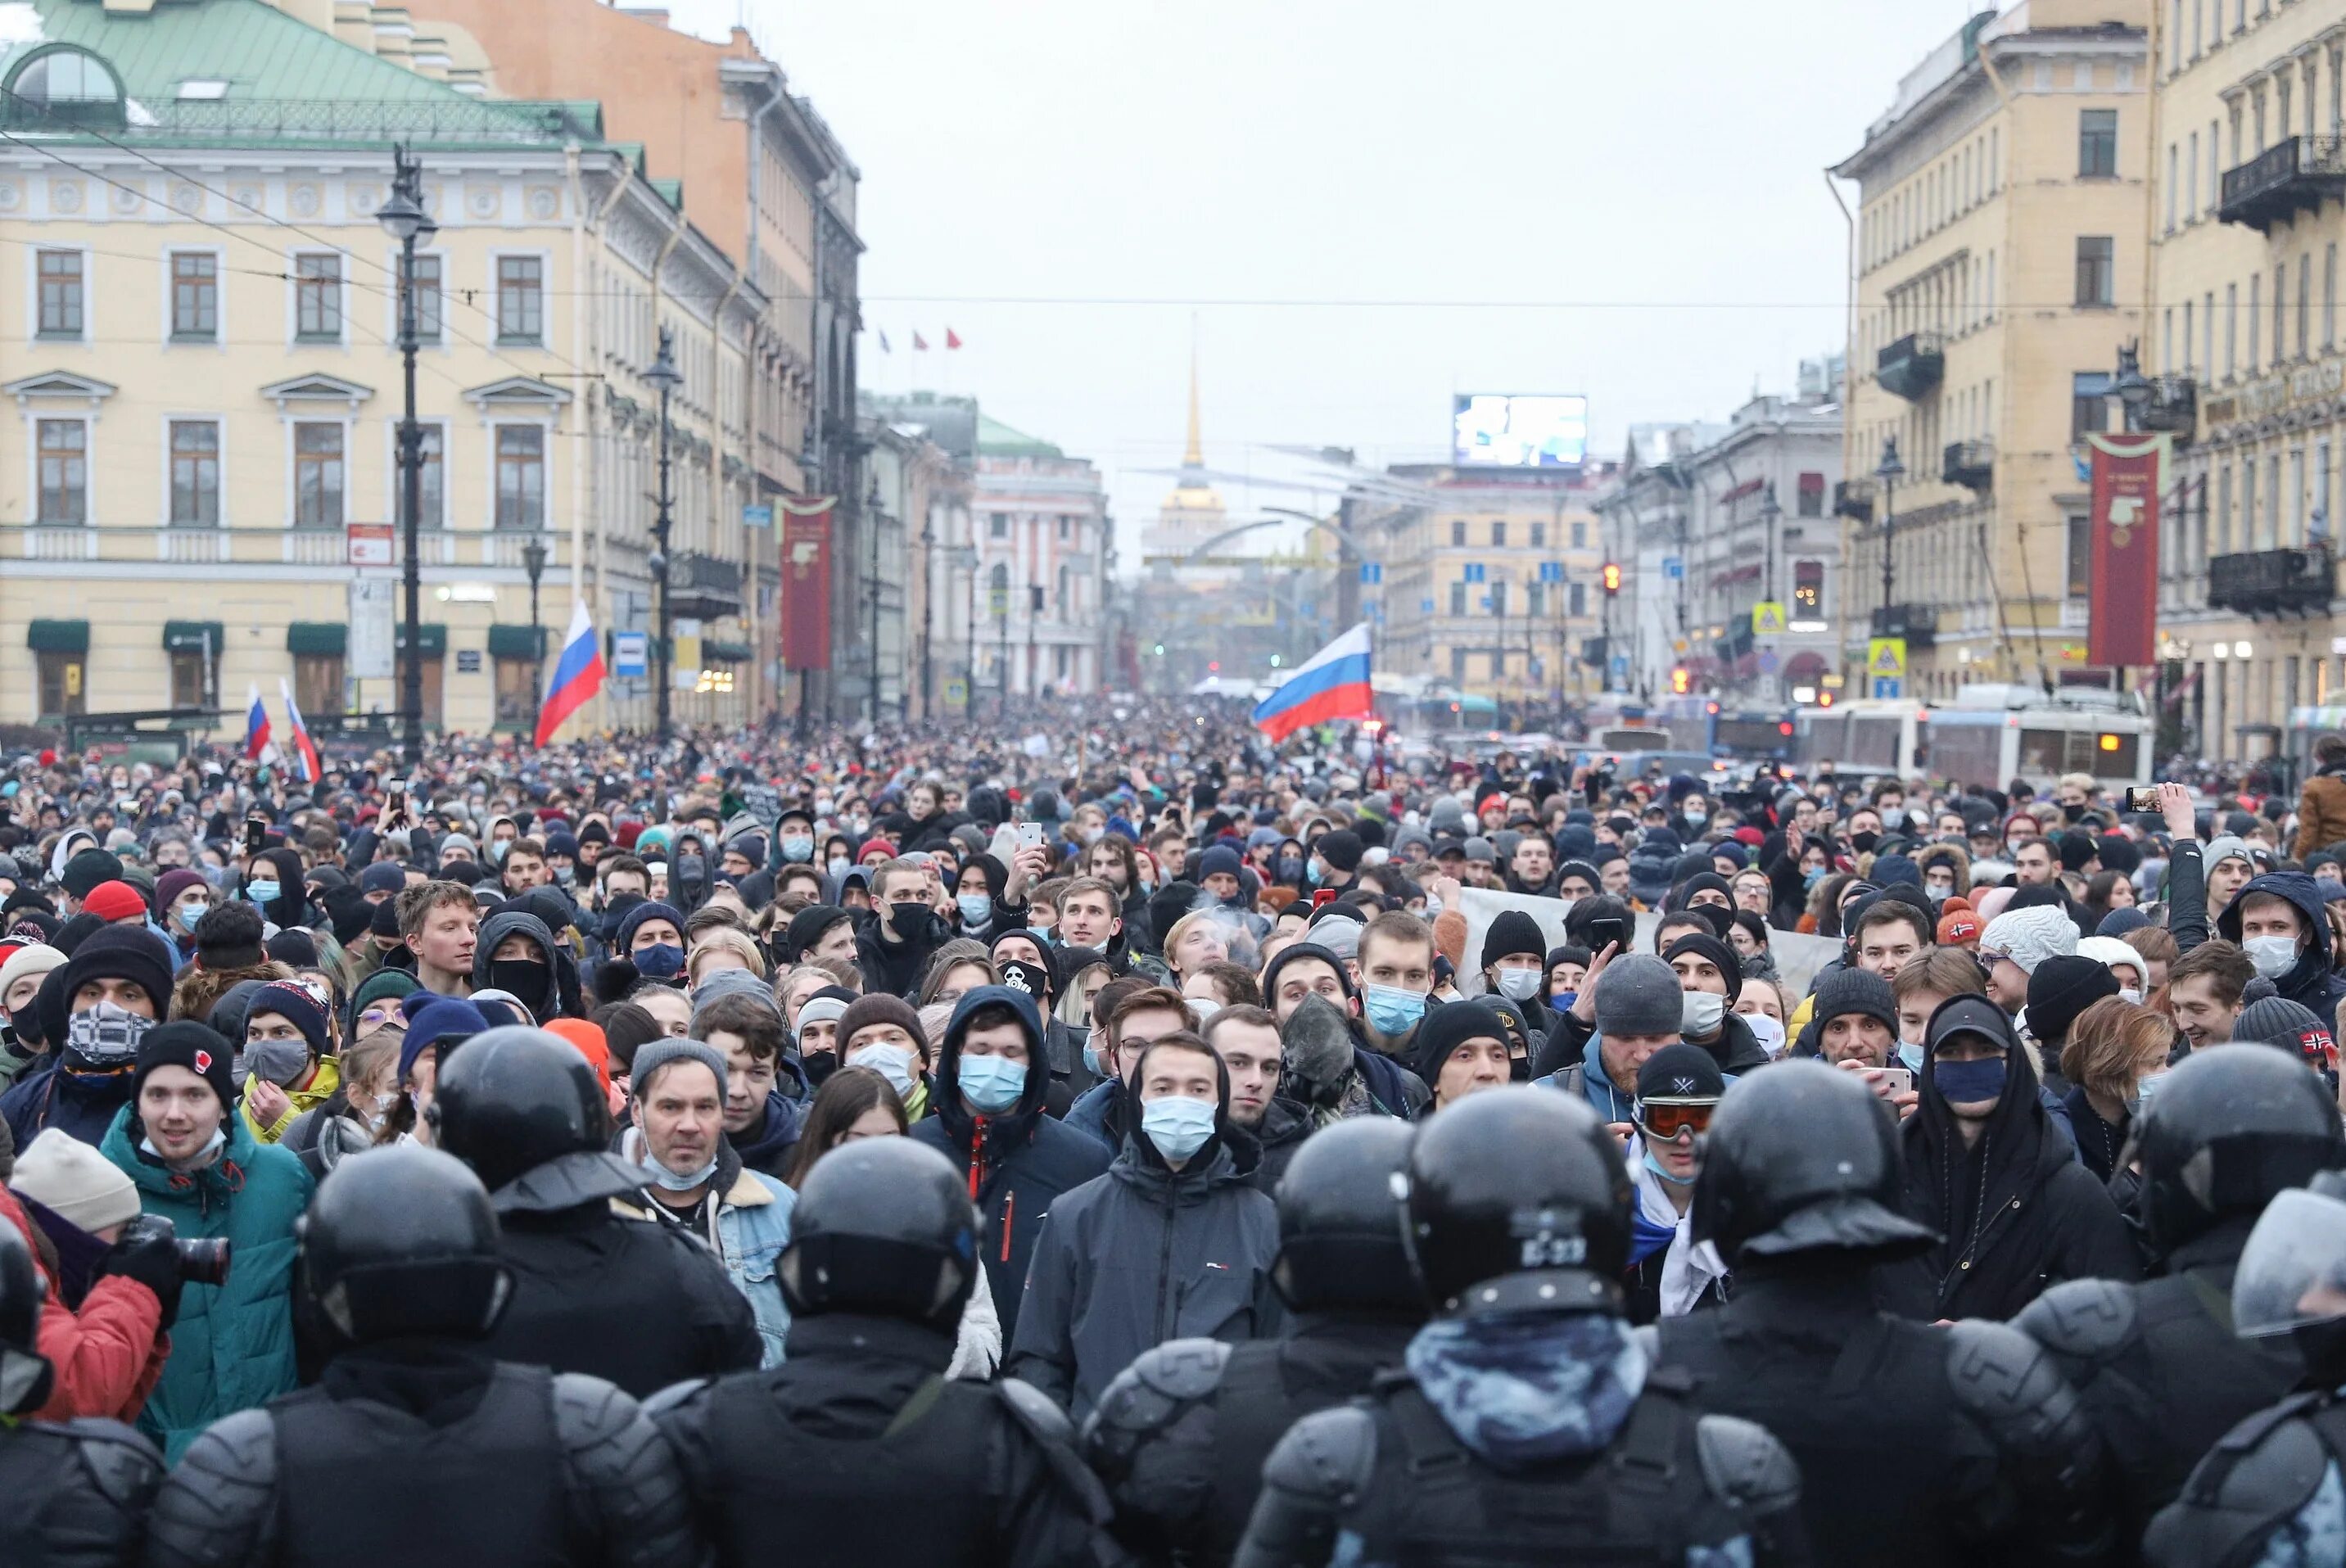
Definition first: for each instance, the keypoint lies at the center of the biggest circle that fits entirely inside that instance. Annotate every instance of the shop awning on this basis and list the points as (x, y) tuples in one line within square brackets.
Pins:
[(329, 638), (59, 636), (515, 642), (435, 638), (194, 636)]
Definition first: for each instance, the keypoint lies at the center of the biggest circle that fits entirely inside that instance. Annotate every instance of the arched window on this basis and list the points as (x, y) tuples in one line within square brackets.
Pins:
[(63, 85)]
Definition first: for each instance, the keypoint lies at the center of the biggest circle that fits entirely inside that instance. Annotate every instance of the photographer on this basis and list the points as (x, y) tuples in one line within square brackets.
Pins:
[(103, 1340), (197, 1166)]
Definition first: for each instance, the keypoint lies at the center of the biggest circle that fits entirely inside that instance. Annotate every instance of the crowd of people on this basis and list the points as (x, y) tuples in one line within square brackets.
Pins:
[(1139, 1142)]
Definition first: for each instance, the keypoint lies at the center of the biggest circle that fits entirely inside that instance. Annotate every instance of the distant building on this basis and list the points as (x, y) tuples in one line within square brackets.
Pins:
[(1044, 556), (925, 462)]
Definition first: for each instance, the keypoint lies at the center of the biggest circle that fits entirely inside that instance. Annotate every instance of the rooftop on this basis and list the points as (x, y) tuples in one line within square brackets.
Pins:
[(995, 438)]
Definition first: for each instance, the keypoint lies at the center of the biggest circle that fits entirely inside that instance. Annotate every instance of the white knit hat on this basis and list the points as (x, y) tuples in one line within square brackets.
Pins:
[(75, 1181), (32, 958), (2109, 953), (2030, 936)]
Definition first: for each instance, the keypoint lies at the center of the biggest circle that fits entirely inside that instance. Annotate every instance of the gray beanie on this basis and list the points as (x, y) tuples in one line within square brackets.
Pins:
[(2225, 847), (1638, 994), (651, 1056), (732, 983), (459, 841)]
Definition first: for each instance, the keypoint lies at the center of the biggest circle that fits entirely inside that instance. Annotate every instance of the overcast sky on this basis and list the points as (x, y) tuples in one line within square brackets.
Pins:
[(1365, 207)]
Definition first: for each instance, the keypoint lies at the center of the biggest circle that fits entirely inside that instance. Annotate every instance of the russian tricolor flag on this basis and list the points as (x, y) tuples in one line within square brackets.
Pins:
[(256, 726), (577, 673), (1331, 684), (303, 747)]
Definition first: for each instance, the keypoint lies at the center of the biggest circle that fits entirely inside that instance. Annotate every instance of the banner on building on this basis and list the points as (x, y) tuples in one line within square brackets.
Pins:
[(805, 582), (2129, 479)]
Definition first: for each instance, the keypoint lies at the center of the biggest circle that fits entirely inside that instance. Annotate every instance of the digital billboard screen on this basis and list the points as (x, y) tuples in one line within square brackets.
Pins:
[(1510, 430)]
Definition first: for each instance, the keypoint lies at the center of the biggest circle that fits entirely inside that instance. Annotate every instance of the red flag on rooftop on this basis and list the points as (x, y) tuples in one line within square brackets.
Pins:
[(953, 341)]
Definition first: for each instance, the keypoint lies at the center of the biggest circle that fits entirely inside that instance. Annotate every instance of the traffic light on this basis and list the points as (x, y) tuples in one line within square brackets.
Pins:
[(1612, 577), (1214, 668), (1680, 681)]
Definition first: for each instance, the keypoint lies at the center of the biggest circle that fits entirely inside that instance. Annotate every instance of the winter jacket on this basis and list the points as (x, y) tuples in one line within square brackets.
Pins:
[(2187, 895), (767, 1148), (1100, 1113), (232, 1343), (2313, 981), (1588, 1079), (749, 1224), (549, 1003), (2018, 1214), (49, 1097), (1140, 1256), (1024, 1161), (896, 966), (2322, 812), (1285, 1125), (107, 1352), (319, 1089)]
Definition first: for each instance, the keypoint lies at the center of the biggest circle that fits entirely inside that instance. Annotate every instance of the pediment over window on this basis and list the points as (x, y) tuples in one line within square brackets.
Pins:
[(59, 384), (317, 388), (517, 391)]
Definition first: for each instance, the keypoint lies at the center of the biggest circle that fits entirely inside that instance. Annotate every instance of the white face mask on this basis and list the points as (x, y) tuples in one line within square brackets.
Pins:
[(2130, 994), (1520, 984), (2274, 956), (1700, 1014)]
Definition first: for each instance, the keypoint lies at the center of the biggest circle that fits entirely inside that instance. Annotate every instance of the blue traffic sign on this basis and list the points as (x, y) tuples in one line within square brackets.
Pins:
[(1888, 687)]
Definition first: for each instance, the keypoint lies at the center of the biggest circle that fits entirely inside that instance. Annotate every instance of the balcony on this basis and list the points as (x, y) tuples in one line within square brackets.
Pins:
[(1918, 624), (2273, 582), (2294, 175), (703, 587), (1913, 367), (1853, 499), (2173, 407), (1970, 463)]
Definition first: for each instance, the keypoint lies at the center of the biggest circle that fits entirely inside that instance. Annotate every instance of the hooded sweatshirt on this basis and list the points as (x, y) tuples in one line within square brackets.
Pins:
[(1018, 1164), (2313, 981), (546, 1004)]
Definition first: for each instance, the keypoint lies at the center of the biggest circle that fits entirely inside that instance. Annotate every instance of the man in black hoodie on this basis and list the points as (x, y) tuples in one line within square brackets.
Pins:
[(2280, 923), (990, 1078), (1172, 1243), (514, 951), (893, 948)]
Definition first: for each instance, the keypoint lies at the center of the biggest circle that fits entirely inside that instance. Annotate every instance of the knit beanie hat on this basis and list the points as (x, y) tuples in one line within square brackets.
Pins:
[(186, 1044), (1448, 1025), (1339, 933), (1341, 848), (1296, 950), (87, 870), (443, 1021), (649, 910), (172, 883), (110, 953), (1513, 931), (2118, 922), (2030, 936), (1680, 1072), (1219, 861), (383, 924), (2225, 847), (1638, 994), (828, 1005), (2110, 952), (294, 1004), (32, 958), (383, 986), (2062, 987), (1855, 992), (383, 877), (1958, 926), (589, 1039), (2270, 1021), (658, 1054), (75, 1181), (866, 1010)]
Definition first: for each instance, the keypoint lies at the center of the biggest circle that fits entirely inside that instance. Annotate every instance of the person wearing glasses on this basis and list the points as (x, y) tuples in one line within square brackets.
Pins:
[(1671, 1273)]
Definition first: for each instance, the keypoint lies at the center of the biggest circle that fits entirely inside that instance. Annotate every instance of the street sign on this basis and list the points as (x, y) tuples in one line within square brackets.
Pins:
[(998, 604), (1769, 662), (631, 655), (956, 693), (1886, 689), (367, 545), (756, 514), (373, 604), (468, 661), (684, 651), (1372, 572), (1620, 665), (1477, 572), (1885, 659), (1768, 618), (1551, 571), (1673, 567)]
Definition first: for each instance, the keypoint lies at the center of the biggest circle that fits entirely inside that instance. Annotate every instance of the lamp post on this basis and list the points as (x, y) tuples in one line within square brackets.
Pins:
[(533, 561), (662, 375), (2132, 389), (1771, 519), (1890, 471), (871, 523), (404, 219)]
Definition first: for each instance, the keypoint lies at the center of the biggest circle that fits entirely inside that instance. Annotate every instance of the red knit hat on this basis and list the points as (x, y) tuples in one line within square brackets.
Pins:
[(111, 901), (1958, 926), (625, 834)]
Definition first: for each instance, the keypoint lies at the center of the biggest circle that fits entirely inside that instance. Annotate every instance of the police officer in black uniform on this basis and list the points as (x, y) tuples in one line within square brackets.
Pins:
[(2159, 1365), (76, 1492), (1919, 1445), (857, 1451), (415, 1446), (1181, 1434), (2273, 1489), (1528, 1426), (642, 1305)]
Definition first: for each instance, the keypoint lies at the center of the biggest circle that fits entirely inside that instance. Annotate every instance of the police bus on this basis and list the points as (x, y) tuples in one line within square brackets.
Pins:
[(1991, 734)]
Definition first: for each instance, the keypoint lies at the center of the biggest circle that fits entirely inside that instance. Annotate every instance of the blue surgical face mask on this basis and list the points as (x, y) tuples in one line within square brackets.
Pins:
[(262, 892), (1911, 1058), (992, 1084), (661, 961), (798, 846), (1391, 1009), (976, 909), (1663, 1171), (1178, 1126), (1561, 1001), (1970, 1082), (1812, 876)]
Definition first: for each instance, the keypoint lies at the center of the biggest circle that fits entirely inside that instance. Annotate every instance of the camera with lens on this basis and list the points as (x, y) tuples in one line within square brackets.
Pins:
[(201, 1262)]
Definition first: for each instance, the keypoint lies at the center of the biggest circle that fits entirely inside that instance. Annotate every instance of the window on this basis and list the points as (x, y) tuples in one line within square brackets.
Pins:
[(1539, 535), (2081, 558), (2248, 503), (521, 477), (516, 695), (2224, 510), (1498, 535), (62, 691), (2330, 296), (2096, 270), (2090, 406), (430, 304), (318, 298), (195, 296), (2317, 521), (1535, 600), (521, 299), (2304, 304), (61, 293), (2191, 179), (1579, 599), (1066, 527), (997, 525), (192, 683), (317, 475), (431, 505), (1458, 531), (1580, 535), (195, 474), (1807, 590), (2231, 329), (2255, 318), (1458, 598), (317, 683), (63, 460), (1499, 599)]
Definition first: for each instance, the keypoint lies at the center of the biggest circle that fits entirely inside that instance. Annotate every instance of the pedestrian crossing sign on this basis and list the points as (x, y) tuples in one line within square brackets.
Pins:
[(1768, 618), (1886, 658)]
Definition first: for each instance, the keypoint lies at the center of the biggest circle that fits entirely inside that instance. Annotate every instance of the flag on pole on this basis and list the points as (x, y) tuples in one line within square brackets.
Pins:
[(1331, 684), (303, 747), (884, 342), (577, 673), (953, 339), (256, 726), (920, 343)]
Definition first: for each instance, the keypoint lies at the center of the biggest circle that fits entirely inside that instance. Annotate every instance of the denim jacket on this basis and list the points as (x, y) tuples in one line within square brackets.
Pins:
[(753, 1225)]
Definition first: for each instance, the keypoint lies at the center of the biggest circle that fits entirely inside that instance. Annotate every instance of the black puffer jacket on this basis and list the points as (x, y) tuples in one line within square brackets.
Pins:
[(2314, 981)]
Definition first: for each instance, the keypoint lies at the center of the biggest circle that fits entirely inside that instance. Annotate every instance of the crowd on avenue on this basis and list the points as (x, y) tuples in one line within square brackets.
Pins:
[(1138, 1142)]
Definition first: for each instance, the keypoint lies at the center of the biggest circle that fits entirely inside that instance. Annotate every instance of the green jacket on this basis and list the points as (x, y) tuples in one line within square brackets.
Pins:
[(233, 1345)]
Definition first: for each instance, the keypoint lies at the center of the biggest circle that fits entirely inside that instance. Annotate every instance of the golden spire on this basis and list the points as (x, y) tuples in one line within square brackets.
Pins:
[(1194, 454)]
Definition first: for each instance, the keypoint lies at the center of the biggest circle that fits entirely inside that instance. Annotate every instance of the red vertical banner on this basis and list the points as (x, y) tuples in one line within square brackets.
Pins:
[(2128, 489), (806, 584)]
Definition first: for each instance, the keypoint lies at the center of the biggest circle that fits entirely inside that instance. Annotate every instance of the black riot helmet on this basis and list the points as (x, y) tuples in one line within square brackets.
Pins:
[(511, 1099), (883, 1225), (24, 1373), (1802, 1158), (2227, 1131), (403, 1242), (1518, 1200), (1340, 1246)]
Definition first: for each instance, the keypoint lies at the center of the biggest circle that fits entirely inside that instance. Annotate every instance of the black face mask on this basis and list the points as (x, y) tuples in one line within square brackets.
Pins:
[(1863, 843), (523, 977), (818, 1065), (2073, 813)]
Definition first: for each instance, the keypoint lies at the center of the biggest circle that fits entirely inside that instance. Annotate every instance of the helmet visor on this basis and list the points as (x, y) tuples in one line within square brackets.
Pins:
[(2293, 1271)]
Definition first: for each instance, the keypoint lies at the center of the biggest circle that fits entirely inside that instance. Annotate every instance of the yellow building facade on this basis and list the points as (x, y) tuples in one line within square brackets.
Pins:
[(201, 306), (1998, 261)]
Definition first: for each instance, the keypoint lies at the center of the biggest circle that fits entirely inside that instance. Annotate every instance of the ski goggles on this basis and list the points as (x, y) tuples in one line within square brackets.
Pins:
[(1669, 1118)]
